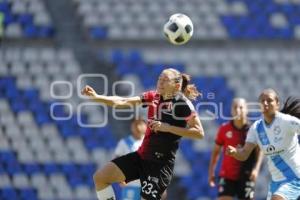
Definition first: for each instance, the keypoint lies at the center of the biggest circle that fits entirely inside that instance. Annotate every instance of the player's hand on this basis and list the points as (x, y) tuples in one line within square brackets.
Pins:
[(231, 151), (211, 181), (158, 126), (253, 175), (88, 91)]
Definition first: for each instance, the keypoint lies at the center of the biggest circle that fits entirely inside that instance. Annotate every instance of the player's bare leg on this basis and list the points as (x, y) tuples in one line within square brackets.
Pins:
[(225, 198), (103, 179), (164, 195), (277, 197)]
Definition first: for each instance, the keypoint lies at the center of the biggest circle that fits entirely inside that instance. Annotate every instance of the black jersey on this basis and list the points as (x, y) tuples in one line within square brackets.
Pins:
[(162, 146)]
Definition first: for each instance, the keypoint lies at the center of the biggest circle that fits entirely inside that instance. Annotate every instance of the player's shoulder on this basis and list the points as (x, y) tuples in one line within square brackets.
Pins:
[(150, 95), (255, 124), (183, 100), (226, 126), (122, 141), (285, 117)]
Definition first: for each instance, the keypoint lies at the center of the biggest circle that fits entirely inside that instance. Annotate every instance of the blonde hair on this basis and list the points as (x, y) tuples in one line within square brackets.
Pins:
[(189, 90)]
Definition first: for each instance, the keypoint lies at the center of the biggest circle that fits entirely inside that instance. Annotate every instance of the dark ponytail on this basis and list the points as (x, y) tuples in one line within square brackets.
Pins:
[(189, 90), (292, 106)]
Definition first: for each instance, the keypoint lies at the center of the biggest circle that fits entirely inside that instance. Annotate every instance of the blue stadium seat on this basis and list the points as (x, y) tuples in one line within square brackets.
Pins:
[(30, 94), (7, 157), (117, 56), (2, 170), (45, 31), (51, 168), (67, 130), (135, 57), (24, 19), (256, 25), (13, 168), (4, 6), (31, 168), (9, 194), (28, 194), (30, 31), (98, 33), (75, 180), (18, 105), (69, 168)]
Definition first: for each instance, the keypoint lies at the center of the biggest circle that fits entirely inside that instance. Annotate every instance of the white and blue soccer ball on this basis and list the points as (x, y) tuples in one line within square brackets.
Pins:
[(179, 29)]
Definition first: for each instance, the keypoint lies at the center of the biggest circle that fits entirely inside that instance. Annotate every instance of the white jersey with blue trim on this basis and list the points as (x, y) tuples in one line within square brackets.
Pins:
[(279, 142), (127, 145)]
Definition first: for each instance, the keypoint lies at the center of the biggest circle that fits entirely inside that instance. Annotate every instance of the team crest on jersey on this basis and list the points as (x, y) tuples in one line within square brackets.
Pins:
[(277, 130), (229, 134)]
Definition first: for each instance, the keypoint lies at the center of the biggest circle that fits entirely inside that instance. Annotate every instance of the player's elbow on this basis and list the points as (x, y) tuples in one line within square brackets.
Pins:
[(199, 134), (243, 156)]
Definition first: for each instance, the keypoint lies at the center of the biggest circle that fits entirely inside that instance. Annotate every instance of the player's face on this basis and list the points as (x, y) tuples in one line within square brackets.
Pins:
[(239, 109), (138, 129), (165, 84), (269, 103)]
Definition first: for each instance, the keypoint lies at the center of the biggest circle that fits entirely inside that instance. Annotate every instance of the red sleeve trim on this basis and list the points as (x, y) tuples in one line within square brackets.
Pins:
[(148, 96)]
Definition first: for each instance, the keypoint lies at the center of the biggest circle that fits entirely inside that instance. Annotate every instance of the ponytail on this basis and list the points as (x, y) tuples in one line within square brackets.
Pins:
[(189, 90), (292, 106)]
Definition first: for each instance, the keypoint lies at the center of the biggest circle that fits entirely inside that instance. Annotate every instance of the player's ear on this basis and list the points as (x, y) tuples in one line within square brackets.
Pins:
[(177, 86)]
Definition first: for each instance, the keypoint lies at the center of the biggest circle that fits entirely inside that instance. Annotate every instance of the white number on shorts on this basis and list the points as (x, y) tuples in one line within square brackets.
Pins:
[(249, 192), (147, 189)]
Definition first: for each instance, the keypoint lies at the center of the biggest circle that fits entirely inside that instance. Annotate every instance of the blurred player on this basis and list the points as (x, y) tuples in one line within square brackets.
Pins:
[(237, 179), (131, 143), (171, 116), (276, 135)]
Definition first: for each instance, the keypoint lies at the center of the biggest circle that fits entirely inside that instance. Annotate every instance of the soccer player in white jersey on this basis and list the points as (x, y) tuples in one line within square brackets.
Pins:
[(131, 143), (277, 136)]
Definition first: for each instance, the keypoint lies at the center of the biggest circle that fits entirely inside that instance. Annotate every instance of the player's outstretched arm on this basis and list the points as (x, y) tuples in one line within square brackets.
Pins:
[(113, 101), (256, 168), (241, 153)]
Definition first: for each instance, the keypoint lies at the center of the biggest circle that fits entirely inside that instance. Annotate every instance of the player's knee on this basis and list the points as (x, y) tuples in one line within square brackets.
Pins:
[(98, 179)]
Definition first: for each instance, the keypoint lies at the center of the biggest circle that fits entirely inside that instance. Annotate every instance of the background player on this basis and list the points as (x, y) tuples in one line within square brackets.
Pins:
[(236, 178), (276, 135), (131, 143), (171, 116)]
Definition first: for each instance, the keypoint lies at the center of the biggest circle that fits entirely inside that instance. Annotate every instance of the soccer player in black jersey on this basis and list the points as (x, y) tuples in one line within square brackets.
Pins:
[(171, 116)]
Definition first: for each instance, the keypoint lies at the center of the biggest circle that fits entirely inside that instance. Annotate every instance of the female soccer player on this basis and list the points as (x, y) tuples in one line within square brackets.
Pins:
[(171, 116), (276, 135), (237, 179)]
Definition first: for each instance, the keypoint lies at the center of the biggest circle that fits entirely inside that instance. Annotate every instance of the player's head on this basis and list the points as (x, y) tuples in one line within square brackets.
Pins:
[(269, 102), (138, 128), (239, 110), (171, 81)]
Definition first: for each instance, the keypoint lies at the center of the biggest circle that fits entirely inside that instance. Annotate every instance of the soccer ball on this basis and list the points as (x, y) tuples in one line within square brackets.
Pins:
[(179, 29)]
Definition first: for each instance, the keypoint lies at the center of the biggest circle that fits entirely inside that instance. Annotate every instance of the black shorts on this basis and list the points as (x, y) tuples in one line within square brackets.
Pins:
[(155, 177), (242, 189)]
